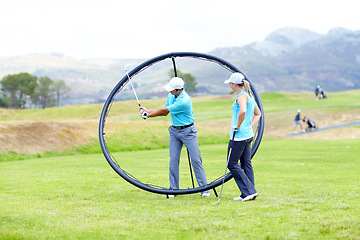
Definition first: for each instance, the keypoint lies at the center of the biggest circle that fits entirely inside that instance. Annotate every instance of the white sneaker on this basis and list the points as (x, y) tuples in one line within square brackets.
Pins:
[(171, 196), (302, 130), (250, 197), (238, 199), (205, 194)]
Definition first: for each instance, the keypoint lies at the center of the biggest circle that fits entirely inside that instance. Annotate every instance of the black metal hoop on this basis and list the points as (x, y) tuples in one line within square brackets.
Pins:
[(162, 190)]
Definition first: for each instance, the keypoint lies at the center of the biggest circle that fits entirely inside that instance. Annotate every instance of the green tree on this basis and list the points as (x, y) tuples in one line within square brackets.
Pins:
[(61, 90), (45, 93), (4, 102), (18, 87), (189, 81), (9, 87), (28, 84)]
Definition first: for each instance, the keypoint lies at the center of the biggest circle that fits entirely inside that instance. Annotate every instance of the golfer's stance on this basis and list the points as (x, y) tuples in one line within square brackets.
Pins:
[(182, 131), (245, 115)]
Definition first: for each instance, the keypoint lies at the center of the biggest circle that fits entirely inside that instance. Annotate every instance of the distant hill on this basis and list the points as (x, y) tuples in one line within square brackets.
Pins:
[(294, 59), (289, 59)]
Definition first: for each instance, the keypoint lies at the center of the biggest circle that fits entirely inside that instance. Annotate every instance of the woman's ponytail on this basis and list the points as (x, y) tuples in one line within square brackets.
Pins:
[(247, 87)]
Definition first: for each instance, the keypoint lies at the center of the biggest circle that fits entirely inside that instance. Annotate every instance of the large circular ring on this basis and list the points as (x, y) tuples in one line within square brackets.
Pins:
[(159, 189)]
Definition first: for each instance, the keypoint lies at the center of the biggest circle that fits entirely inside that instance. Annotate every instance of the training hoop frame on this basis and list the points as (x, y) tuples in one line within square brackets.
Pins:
[(157, 189)]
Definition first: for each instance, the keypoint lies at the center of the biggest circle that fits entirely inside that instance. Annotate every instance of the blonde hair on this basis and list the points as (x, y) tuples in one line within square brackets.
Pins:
[(246, 85)]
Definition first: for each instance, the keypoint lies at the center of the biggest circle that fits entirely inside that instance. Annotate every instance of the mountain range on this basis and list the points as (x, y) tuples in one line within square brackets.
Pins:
[(288, 59)]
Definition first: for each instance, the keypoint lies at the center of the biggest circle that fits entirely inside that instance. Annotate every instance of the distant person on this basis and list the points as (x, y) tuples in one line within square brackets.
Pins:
[(317, 92), (181, 132), (245, 115), (310, 124), (297, 121)]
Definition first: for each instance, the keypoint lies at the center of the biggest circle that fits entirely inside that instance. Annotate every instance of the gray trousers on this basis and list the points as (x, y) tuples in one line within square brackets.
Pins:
[(187, 137)]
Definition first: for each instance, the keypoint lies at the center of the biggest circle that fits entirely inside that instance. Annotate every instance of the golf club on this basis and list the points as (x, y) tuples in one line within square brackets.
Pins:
[(191, 172), (143, 114), (132, 85), (227, 163)]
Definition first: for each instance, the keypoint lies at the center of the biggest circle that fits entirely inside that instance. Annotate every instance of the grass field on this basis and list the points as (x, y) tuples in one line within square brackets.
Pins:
[(308, 190), (308, 186)]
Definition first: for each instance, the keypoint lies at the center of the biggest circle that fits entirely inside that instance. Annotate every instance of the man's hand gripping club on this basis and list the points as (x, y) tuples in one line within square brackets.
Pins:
[(144, 113)]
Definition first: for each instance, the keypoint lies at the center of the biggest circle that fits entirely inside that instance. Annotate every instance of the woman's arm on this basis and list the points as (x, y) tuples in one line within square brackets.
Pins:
[(256, 117), (242, 100)]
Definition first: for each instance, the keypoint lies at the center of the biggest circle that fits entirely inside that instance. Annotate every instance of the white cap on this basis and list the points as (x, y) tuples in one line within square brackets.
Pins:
[(235, 78), (174, 83), (299, 110)]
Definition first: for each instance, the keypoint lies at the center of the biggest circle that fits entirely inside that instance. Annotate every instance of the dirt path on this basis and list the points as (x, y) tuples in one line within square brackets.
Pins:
[(37, 137), (344, 125)]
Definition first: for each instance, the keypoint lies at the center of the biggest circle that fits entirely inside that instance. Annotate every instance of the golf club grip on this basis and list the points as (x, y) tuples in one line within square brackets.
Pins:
[(233, 137)]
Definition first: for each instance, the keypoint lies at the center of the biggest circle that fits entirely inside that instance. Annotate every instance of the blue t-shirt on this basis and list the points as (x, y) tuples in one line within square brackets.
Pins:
[(297, 117), (245, 131), (180, 109)]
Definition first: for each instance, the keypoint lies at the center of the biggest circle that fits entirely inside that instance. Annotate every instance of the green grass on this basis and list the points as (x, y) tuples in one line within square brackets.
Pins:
[(279, 101), (64, 113), (308, 190)]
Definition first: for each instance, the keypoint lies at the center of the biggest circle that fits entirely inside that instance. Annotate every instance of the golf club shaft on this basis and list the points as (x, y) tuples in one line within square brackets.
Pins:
[(222, 185), (133, 88), (227, 163), (191, 173)]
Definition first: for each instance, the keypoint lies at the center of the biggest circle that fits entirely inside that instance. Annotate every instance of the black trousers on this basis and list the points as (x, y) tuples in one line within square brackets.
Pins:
[(243, 173)]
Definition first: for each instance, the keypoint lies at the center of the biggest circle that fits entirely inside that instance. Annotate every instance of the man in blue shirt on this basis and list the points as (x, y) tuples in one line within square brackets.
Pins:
[(182, 131)]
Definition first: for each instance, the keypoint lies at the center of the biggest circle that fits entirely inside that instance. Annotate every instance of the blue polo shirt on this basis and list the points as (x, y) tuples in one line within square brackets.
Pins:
[(180, 109)]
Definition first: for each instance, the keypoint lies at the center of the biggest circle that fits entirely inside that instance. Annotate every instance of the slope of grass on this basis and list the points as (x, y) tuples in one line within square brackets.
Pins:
[(281, 101), (127, 131)]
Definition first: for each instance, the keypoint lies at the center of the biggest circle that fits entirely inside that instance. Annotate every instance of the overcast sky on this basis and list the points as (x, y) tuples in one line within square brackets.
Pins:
[(148, 28)]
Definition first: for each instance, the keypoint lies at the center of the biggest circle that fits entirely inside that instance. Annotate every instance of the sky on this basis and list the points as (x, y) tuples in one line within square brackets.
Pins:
[(148, 28)]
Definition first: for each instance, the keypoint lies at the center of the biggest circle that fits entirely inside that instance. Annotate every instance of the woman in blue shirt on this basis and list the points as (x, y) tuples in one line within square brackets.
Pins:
[(245, 115)]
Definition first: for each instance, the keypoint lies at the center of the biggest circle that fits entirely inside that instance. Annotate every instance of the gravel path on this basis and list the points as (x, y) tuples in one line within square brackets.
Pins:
[(349, 124)]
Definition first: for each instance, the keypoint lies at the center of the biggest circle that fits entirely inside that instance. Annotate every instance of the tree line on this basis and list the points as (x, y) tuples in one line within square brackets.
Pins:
[(23, 90), (189, 81)]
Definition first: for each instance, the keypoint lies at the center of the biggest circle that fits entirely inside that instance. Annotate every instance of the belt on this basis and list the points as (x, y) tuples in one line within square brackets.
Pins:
[(182, 127)]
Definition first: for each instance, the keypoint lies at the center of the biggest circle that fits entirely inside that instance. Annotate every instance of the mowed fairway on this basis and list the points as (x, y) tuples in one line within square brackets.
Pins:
[(309, 187), (308, 190)]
